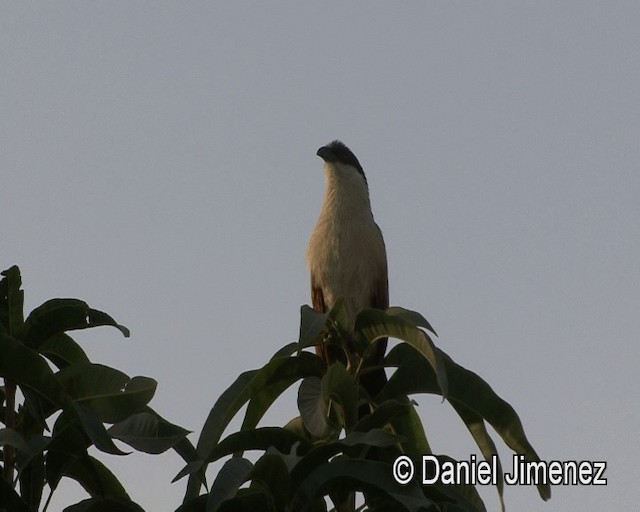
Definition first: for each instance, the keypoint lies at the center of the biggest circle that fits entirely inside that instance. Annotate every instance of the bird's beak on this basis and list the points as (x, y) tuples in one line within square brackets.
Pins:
[(325, 153)]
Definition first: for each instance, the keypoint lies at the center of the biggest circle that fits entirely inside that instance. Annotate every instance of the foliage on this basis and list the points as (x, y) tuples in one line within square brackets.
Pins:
[(333, 450), (56, 403)]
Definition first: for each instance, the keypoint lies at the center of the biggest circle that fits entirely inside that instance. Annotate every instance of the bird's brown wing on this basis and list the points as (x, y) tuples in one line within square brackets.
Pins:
[(317, 301), (317, 297), (380, 293)]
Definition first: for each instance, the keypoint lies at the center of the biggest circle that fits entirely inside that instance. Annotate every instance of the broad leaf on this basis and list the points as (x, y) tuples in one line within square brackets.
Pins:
[(286, 351), (248, 500), (357, 474), (95, 430), (108, 504), (410, 316), (338, 321), (262, 398), (407, 423), (111, 394), (10, 500), (271, 475), (63, 351), (312, 326), (247, 386), (313, 407), (383, 414), (24, 366), (68, 444), (32, 480), (464, 497), (323, 452), (11, 302), (95, 478), (373, 324), (415, 376), (148, 433), (233, 474), (259, 439), (315, 326), (338, 386), (36, 445), (197, 504), (11, 437), (478, 430), (60, 315)]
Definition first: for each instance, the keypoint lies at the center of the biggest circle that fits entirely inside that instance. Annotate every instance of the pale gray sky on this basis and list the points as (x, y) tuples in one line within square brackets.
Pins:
[(158, 160)]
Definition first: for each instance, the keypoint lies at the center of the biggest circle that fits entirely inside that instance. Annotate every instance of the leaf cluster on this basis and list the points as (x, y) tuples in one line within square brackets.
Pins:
[(338, 451), (331, 450), (57, 404)]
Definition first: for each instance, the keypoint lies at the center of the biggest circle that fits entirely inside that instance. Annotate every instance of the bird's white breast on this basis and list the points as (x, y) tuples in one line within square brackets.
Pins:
[(346, 254)]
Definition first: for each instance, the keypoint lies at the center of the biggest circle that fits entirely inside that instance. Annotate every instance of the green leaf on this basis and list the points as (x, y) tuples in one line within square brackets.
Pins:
[(108, 504), (384, 414), (259, 439), (59, 315), (459, 496), (35, 411), (373, 324), (11, 437), (478, 430), (263, 397), (197, 504), (147, 432), (95, 478), (407, 423), (286, 351), (10, 500), (69, 443), (248, 500), (338, 320), (321, 453), (233, 474), (338, 386), (111, 394), (36, 445), (11, 301), (316, 326), (270, 472), (415, 376), (95, 430), (337, 389), (357, 474), (296, 426), (63, 351), (312, 406), (247, 386), (32, 480), (187, 451), (312, 326), (24, 366), (412, 317)]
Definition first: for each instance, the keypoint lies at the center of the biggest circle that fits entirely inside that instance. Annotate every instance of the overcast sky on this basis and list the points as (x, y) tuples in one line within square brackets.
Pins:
[(158, 161)]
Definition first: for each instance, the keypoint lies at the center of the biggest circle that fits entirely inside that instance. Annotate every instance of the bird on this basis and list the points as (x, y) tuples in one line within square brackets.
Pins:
[(347, 256)]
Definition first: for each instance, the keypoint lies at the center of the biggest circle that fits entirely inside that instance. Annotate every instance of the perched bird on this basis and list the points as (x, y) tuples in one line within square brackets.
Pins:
[(346, 255)]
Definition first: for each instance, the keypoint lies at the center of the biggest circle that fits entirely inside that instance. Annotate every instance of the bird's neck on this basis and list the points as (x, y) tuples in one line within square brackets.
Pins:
[(346, 197)]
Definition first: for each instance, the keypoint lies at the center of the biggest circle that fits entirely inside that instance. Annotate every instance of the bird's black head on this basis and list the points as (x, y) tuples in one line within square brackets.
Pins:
[(336, 151)]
